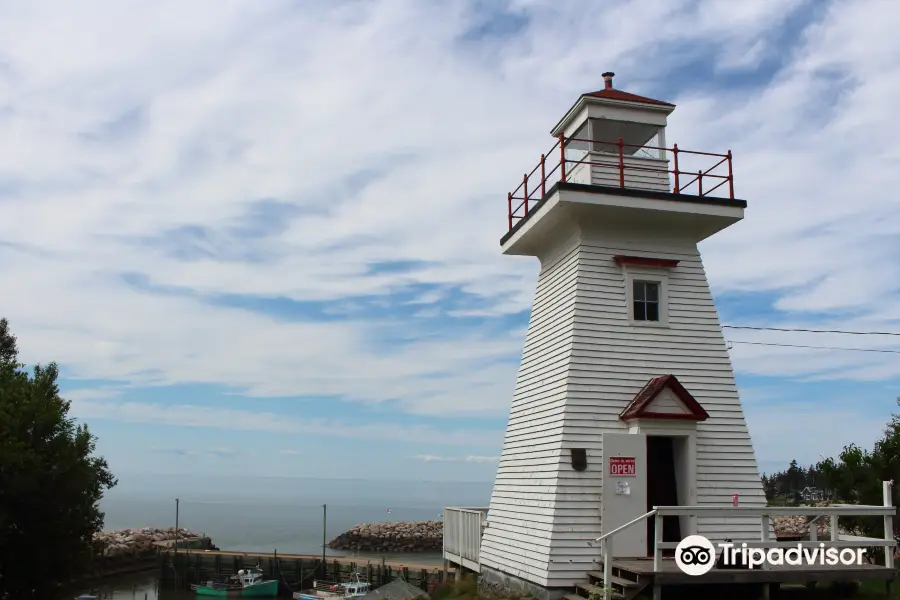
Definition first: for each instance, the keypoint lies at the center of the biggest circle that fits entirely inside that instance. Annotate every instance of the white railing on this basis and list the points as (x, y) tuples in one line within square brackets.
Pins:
[(765, 513), (462, 535), (606, 541)]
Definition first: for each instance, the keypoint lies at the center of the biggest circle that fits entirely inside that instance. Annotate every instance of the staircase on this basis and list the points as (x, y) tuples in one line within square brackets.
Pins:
[(625, 585)]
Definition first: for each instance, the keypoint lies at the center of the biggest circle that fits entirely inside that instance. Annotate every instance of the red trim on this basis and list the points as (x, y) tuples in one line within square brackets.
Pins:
[(614, 94), (533, 186), (645, 261), (643, 399)]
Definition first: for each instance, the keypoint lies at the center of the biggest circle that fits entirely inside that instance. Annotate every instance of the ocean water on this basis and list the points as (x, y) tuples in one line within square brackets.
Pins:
[(270, 514), (280, 514)]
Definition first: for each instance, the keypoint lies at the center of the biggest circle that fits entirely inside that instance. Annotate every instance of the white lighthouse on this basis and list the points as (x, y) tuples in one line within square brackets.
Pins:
[(625, 398)]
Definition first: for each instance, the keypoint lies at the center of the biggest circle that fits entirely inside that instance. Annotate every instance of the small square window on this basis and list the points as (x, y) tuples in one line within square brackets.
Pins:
[(646, 300)]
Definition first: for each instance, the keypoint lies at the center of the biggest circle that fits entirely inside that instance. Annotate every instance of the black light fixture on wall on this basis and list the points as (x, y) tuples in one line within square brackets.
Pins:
[(579, 459)]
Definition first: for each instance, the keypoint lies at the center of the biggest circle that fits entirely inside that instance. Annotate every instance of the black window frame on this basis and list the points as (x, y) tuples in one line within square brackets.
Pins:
[(642, 305)]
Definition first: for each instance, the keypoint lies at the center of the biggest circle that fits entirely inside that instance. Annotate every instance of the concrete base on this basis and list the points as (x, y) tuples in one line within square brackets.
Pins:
[(520, 586)]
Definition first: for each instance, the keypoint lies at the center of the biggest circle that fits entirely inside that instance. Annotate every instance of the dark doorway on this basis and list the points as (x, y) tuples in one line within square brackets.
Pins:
[(662, 489)]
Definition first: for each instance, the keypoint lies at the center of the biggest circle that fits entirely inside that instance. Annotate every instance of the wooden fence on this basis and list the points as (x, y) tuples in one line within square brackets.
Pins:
[(294, 574)]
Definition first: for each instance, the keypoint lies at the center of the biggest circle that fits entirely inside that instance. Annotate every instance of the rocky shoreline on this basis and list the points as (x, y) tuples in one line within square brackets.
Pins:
[(427, 536), (404, 536), (799, 526), (147, 540)]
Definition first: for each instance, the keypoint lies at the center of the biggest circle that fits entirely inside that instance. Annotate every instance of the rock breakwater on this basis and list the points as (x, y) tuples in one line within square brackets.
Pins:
[(799, 525), (146, 540), (405, 536)]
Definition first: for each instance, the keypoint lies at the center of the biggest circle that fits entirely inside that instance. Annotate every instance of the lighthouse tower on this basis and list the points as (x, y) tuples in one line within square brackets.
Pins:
[(625, 398)]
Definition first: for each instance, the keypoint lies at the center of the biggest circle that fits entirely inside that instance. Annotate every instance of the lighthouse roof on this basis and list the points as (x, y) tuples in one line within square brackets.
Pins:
[(637, 108), (619, 95), (642, 405)]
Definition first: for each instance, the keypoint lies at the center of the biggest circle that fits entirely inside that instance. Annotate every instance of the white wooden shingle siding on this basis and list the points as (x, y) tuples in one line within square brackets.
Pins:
[(598, 168), (667, 402), (640, 173), (582, 364)]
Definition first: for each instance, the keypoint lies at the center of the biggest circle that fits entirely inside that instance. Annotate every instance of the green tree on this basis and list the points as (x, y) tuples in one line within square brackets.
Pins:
[(50, 481), (787, 485), (856, 475), (795, 478)]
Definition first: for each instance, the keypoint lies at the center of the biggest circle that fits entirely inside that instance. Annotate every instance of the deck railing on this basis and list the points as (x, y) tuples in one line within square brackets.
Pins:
[(617, 164), (764, 513), (462, 535)]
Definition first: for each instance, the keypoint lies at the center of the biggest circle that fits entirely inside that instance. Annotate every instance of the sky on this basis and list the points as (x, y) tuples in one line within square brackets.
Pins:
[(263, 237)]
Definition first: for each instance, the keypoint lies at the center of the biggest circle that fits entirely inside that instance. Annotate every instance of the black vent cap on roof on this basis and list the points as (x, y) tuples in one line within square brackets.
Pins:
[(607, 80)]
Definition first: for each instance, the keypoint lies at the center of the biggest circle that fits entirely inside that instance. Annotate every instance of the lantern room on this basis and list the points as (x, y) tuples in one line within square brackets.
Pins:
[(605, 125), (615, 142)]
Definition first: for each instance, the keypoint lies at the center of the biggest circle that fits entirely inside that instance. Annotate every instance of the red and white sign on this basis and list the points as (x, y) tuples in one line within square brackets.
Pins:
[(622, 466)]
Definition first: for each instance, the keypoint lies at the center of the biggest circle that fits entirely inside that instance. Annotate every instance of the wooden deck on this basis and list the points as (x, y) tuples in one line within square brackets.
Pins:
[(672, 575)]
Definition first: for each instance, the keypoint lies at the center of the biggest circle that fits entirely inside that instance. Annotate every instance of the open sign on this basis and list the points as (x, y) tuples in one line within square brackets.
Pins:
[(622, 466)]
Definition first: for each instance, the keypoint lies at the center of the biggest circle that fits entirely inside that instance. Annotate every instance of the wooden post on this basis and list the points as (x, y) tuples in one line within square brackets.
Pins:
[(888, 499), (324, 535), (562, 158), (525, 193), (607, 568), (657, 540), (176, 526), (730, 176), (675, 167), (621, 163)]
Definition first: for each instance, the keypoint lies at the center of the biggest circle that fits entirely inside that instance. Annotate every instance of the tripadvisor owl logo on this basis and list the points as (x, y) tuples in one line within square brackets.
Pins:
[(695, 555)]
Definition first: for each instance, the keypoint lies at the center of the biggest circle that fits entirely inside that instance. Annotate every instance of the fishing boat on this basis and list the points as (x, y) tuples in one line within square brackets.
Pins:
[(324, 590), (246, 584)]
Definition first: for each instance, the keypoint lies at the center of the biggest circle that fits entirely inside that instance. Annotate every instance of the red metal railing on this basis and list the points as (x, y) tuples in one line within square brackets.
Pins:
[(690, 172)]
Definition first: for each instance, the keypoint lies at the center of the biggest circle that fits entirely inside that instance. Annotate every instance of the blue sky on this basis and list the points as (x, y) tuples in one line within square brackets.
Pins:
[(265, 236)]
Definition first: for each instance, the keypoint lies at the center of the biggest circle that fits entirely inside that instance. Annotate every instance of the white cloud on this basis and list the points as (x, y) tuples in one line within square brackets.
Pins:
[(289, 452), (186, 415), (470, 459), (204, 108), (211, 452), (809, 432), (813, 356)]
